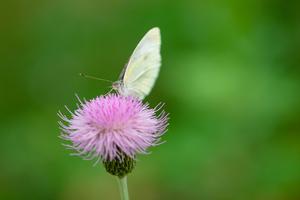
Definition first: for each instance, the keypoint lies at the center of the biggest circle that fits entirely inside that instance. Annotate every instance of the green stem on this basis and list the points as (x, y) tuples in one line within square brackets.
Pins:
[(123, 188)]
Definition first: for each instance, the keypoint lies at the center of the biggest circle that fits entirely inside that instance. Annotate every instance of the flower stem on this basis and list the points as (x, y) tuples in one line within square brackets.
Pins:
[(123, 188)]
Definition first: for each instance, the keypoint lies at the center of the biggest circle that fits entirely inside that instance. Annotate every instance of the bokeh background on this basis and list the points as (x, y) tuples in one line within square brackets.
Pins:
[(230, 79)]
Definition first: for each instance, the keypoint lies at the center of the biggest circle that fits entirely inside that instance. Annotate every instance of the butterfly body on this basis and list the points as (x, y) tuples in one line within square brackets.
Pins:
[(139, 75)]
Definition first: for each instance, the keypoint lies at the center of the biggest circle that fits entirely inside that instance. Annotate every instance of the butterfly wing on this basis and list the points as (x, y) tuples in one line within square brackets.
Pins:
[(143, 66)]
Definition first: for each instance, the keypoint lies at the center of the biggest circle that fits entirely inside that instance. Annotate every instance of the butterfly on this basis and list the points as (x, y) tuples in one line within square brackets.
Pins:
[(139, 75)]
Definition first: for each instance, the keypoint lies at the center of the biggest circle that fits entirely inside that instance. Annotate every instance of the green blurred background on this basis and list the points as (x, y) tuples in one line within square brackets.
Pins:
[(230, 79)]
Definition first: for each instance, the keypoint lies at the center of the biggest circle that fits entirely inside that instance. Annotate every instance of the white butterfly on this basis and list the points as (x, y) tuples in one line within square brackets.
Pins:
[(139, 75)]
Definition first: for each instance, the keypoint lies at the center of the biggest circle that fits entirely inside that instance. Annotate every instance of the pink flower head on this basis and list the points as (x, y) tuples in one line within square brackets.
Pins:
[(109, 126)]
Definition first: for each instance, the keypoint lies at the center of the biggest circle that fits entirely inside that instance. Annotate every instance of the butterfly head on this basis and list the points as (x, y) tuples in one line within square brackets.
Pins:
[(117, 85)]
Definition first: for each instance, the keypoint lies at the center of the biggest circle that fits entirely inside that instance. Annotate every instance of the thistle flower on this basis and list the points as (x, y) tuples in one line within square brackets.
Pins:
[(113, 128)]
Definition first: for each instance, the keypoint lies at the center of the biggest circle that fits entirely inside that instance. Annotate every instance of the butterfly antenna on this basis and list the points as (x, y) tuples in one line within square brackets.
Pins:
[(95, 78)]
